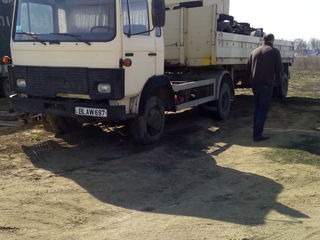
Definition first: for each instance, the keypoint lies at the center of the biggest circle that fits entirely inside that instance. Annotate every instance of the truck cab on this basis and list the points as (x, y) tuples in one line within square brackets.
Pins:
[(5, 27), (85, 60)]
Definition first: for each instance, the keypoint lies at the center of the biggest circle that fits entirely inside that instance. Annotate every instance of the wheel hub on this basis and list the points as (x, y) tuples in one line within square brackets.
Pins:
[(154, 121)]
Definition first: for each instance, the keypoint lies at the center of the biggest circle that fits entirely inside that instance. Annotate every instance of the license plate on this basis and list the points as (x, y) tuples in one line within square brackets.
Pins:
[(92, 112)]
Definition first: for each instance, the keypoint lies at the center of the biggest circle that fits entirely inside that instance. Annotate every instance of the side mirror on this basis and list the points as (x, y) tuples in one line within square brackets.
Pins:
[(158, 13)]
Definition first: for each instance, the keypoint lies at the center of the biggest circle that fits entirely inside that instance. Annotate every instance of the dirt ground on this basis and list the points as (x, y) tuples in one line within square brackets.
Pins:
[(204, 180)]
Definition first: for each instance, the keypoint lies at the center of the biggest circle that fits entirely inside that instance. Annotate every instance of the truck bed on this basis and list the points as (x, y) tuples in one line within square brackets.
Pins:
[(192, 40)]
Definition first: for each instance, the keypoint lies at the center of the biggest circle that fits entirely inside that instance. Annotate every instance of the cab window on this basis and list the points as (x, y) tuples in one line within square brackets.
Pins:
[(139, 17)]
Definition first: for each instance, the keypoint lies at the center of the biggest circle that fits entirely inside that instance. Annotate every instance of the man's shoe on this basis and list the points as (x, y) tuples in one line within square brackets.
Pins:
[(261, 138)]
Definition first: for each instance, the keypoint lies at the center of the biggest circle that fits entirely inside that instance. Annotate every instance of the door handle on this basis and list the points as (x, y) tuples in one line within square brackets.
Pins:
[(152, 54)]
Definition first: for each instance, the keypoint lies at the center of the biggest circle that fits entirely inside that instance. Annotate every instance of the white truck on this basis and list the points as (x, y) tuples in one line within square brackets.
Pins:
[(106, 61), (5, 26)]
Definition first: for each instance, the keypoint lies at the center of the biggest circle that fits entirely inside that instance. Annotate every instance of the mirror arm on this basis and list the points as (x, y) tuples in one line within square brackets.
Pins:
[(150, 30), (129, 20)]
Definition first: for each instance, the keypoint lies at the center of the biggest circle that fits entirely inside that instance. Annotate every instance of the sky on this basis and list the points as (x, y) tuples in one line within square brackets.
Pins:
[(286, 19)]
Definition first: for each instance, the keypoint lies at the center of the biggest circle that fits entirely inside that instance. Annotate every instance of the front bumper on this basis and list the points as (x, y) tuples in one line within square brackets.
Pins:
[(66, 108)]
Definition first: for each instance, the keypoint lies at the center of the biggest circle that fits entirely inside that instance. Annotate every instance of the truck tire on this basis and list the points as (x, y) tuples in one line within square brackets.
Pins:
[(281, 91), (225, 17), (244, 24), (148, 127), (223, 104), (60, 125), (224, 27), (5, 87)]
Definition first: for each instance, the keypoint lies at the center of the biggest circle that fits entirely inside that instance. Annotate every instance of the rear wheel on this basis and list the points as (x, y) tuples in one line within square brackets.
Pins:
[(224, 102), (149, 127), (224, 27), (59, 125), (281, 91)]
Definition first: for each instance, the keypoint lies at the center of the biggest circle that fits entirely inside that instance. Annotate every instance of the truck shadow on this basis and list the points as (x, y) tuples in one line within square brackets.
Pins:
[(176, 176)]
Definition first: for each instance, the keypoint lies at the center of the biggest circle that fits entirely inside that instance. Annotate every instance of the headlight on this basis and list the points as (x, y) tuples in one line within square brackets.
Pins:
[(21, 83), (104, 88)]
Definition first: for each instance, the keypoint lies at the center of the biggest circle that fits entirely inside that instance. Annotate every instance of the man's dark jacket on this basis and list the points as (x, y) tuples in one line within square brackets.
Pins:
[(265, 65)]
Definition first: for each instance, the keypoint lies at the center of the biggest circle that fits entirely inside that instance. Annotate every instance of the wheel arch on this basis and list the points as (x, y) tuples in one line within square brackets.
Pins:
[(225, 77), (157, 86)]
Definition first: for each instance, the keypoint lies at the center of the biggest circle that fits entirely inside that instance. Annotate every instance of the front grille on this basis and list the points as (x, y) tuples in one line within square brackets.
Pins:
[(49, 81)]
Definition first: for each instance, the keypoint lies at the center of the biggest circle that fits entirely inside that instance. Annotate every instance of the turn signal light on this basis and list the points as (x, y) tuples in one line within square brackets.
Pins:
[(127, 62), (6, 60)]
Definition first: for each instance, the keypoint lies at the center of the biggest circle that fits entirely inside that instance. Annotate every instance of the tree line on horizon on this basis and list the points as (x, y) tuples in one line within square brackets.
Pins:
[(302, 46)]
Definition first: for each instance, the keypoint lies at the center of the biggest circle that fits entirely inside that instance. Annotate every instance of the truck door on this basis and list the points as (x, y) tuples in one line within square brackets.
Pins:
[(160, 51), (138, 45)]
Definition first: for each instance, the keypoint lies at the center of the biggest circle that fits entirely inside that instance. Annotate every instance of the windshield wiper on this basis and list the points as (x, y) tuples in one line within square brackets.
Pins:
[(33, 35), (72, 35)]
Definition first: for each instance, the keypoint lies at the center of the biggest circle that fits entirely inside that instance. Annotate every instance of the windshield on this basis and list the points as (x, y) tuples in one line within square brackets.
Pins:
[(65, 20)]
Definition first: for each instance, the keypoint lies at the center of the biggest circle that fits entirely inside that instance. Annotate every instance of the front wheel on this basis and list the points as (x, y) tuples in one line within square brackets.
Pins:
[(5, 87), (59, 125), (149, 127), (224, 102)]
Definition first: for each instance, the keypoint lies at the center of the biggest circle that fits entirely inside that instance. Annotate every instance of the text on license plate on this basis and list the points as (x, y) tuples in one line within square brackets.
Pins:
[(92, 112)]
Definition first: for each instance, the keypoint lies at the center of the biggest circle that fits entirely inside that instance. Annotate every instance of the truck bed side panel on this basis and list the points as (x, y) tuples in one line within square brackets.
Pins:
[(235, 48), (191, 39), (200, 36)]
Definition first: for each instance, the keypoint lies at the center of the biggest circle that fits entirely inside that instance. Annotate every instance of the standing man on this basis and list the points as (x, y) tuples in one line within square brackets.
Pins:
[(264, 67)]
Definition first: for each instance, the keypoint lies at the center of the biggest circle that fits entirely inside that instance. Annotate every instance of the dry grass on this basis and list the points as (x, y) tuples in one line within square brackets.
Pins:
[(304, 97), (304, 83), (306, 151), (307, 63)]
